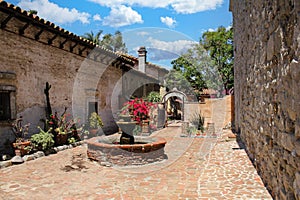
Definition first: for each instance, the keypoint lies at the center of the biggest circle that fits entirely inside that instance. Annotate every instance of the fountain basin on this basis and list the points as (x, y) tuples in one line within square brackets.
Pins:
[(107, 150)]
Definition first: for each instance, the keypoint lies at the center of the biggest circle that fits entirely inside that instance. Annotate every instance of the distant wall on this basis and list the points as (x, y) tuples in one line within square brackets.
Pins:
[(267, 89), (219, 111)]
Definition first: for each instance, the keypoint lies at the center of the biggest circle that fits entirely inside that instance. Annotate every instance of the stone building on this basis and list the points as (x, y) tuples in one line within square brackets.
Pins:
[(267, 89), (83, 77)]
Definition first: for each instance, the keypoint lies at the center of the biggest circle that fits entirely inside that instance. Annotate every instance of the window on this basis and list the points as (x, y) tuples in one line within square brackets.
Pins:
[(7, 96), (5, 107), (93, 107)]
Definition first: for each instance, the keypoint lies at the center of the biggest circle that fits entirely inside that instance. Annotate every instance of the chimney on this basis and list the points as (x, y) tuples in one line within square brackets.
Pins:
[(142, 59)]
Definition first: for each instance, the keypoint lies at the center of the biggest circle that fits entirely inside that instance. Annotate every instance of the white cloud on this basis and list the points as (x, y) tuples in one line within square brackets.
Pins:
[(178, 47), (122, 16), (168, 21), (194, 6), (215, 29), (180, 6), (142, 33), (52, 12), (97, 17), (143, 3)]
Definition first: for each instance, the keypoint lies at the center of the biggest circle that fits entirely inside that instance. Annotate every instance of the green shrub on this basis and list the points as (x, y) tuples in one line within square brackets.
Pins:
[(154, 97), (95, 121), (198, 121), (42, 140)]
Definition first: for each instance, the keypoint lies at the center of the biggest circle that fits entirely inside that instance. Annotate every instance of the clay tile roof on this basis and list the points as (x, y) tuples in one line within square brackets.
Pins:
[(51, 25)]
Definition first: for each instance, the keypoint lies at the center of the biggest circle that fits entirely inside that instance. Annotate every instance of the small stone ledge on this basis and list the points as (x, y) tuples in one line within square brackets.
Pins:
[(38, 154), (7, 75)]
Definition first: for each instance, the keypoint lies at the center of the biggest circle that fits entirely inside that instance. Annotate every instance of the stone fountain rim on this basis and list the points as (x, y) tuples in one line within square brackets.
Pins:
[(95, 141)]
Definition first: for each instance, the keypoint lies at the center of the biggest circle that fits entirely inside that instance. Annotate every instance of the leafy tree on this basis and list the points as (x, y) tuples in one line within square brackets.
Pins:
[(219, 44), (108, 41), (189, 71), (114, 42), (209, 64), (175, 79), (154, 97), (34, 12), (197, 68), (95, 38)]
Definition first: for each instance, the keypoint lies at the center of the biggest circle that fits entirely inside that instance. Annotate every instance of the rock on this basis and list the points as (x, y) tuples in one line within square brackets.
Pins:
[(5, 164), (17, 160), (49, 151), (296, 183), (106, 164), (6, 157), (39, 154), (60, 148), (28, 157)]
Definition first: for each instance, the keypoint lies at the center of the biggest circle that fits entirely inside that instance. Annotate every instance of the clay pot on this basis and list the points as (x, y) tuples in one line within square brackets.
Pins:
[(20, 148)]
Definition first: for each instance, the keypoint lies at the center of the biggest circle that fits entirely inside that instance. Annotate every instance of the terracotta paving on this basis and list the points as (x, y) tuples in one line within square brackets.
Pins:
[(196, 168)]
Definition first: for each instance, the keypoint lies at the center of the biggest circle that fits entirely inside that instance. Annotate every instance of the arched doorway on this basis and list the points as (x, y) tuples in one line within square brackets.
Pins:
[(174, 104)]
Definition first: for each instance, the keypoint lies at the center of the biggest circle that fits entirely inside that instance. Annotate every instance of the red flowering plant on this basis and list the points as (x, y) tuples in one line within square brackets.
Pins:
[(138, 108), (63, 124)]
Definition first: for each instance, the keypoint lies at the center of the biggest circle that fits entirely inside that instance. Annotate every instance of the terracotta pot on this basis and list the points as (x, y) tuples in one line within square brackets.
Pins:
[(61, 139), (20, 148), (93, 132)]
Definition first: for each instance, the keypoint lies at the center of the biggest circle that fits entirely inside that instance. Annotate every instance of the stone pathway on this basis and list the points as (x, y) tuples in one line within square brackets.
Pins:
[(197, 168)]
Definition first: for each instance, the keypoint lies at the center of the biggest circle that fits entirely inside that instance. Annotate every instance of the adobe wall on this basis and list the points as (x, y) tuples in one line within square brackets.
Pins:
[(267, 89), (33, 64), (219, 111)]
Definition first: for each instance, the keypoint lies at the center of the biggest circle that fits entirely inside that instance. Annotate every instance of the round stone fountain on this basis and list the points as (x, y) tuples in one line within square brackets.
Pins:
[(108, 151)]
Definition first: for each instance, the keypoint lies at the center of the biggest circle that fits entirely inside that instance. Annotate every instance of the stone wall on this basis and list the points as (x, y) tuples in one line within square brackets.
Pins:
[(267, 89)]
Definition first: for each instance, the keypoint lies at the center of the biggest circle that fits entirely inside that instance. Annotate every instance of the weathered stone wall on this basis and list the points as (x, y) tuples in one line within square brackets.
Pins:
[(267, 89), (33, 64)]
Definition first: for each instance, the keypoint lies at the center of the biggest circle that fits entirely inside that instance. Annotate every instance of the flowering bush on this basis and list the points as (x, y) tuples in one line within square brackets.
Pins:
[(62, 125), (138, 108), (19, 129)]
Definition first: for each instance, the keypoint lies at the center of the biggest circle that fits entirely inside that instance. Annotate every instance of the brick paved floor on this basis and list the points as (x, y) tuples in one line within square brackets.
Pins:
[(197, 168)]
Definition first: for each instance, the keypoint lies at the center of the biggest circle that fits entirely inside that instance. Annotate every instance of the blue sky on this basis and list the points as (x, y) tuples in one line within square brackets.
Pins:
[(166, 27)]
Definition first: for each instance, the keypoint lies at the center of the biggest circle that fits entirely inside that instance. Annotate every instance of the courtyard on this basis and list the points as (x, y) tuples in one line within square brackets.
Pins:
[(196, 168)]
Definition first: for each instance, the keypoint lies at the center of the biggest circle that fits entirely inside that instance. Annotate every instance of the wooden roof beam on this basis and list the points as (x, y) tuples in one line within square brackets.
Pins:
[(37, 36), (61, 46), (50, 41), (6, 20), (81, 50), (72, 47), (22, 30)]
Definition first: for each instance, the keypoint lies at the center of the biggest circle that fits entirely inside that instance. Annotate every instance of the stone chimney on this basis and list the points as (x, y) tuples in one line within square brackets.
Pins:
[(142, 59)]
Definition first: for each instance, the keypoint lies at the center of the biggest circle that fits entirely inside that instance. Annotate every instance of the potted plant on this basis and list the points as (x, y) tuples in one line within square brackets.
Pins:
[(21, 143), (138, 108), (198, 122), (95, 123), (43, 140), (63, 127)]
